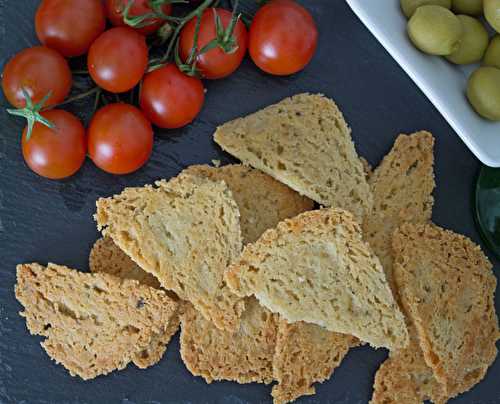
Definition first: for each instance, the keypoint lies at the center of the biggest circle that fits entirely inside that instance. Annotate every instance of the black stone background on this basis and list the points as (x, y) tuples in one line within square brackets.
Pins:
[(42, 220)]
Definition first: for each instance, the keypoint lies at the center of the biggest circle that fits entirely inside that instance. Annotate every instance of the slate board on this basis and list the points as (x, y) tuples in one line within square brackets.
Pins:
[(43, 221)]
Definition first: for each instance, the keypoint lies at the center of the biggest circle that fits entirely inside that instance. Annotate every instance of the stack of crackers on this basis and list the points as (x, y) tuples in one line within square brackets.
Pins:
[(273, 270)]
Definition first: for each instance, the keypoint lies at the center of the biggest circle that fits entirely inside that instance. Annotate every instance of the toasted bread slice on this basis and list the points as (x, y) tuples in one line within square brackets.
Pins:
[(93, 323), (244, 356), (316, 268), (405, 377), (106, 257), (402, 188), (447, 287), (306, 354), (263, 201), (185, 232), (304, 142)]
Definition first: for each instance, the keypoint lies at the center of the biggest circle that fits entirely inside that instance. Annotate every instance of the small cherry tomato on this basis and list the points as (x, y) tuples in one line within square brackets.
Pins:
[(114, 10), (59, 152), (171, 99), (283, 37), (118, 59), (69, 26), (216, 63), (120, 138), (38, 70)]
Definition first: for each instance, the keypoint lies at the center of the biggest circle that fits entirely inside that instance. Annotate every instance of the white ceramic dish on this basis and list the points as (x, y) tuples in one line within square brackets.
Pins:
[(443, 83)]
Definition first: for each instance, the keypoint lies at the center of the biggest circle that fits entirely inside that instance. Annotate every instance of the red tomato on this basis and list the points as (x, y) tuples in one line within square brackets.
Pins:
[(215, 63), (120, 139), (37, 70), (59, 152), (169, 98), (118, 59), (114, 10), (69, 26), (283, 37)]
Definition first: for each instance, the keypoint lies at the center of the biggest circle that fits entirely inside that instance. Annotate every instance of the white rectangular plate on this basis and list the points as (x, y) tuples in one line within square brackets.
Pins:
[(443, 83)]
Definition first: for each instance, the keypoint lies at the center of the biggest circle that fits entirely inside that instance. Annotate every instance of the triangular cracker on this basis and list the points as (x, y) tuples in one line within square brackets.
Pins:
[(317, 268), (185, 232), (447, 287), (304, 142), (402, 188), (107, 257), (93, 323)]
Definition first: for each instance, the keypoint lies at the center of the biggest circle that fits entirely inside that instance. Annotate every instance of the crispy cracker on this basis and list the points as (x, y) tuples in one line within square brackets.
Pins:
[(402, 188), (317, 268), (447, 287), (306, 354), (304, 142), (93, 323), (244, 356), (106, 257), (185, 232)]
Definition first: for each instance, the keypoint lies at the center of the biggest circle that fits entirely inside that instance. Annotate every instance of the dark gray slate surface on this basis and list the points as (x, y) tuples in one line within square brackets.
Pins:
[(43, 221)]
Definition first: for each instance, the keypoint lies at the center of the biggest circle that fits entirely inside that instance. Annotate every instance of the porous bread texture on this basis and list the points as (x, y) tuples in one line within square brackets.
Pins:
[(305, 143), (92, 323), (305, 354), (402, 188), (317, 268), (244, 356), (107, 257), (405, 377), (447, 286), (185, 232), (263, 202)]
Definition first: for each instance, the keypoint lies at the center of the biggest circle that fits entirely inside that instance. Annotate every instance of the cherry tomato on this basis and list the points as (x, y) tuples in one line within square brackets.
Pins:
[(38, 71), (283, 37), (69, 26), (169, 98), (120, 138), (114, 10), (215, 63), (118, 59), (59, 152)]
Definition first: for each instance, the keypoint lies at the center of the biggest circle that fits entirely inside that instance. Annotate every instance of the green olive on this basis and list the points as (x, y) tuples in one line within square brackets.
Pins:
[(483, 92), (435, 30), (409, 6), (492, 13), (473, 44), (470, 7), (492, 55)]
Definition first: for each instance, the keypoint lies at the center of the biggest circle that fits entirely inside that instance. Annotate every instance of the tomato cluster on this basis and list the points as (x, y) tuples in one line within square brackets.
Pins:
[(208, 43)]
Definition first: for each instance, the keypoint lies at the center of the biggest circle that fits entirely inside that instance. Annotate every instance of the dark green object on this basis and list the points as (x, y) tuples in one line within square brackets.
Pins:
[(487, 205)]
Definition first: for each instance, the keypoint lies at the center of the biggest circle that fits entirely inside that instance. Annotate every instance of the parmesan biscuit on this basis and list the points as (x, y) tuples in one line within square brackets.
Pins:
[(316, 268), (263, 201), (185, 232), (304, 142), (244, 356), (106, 257), (402, 188), (447, 287), (93, 323), (306, 354)]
